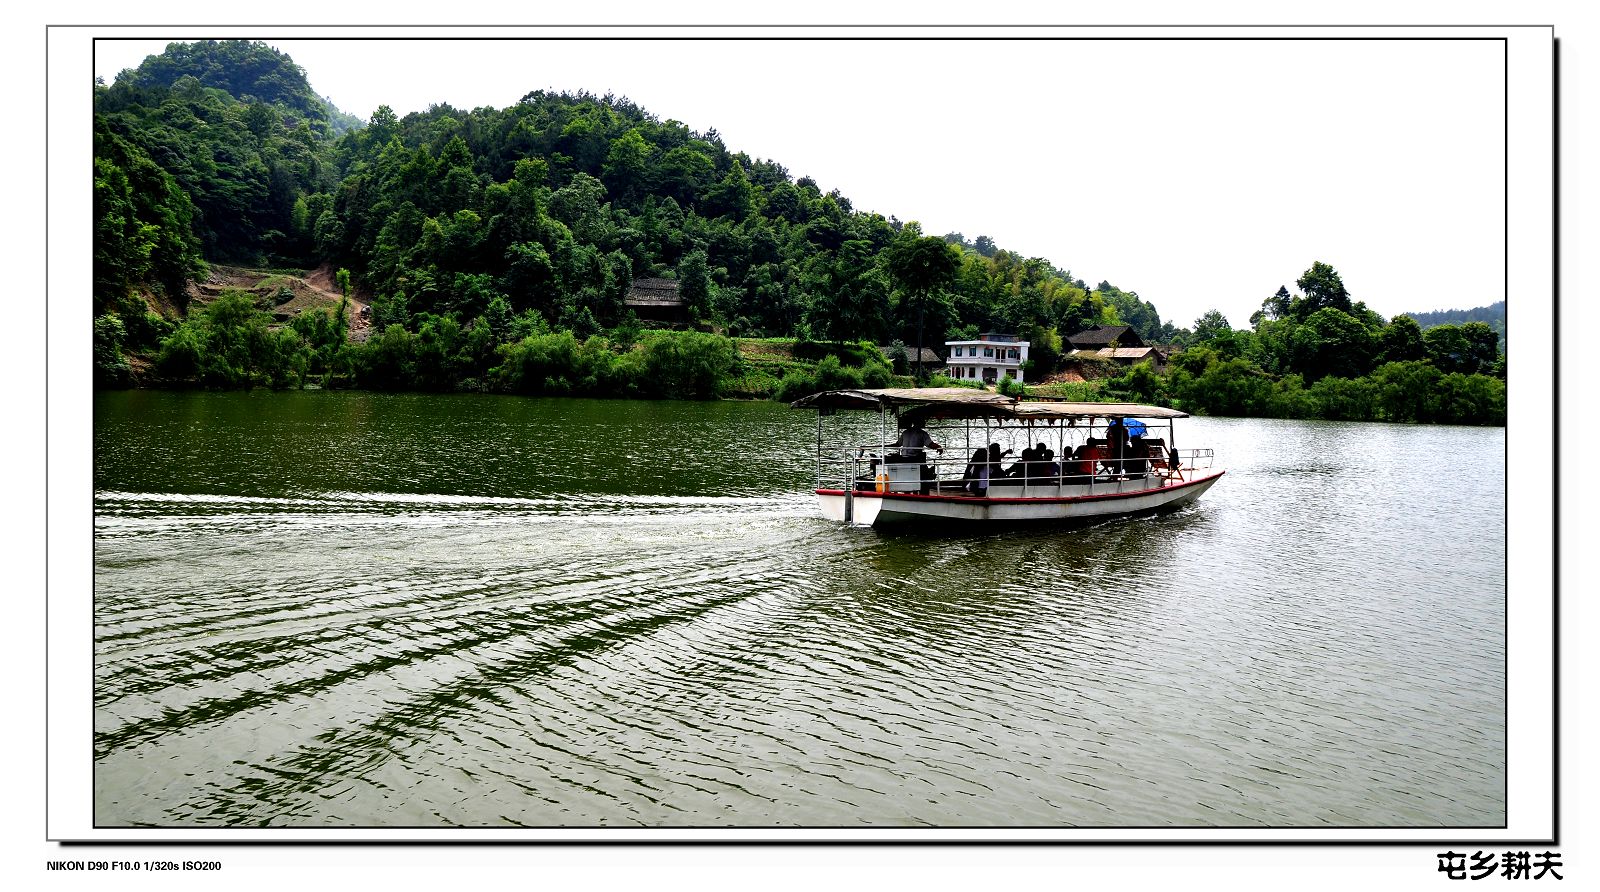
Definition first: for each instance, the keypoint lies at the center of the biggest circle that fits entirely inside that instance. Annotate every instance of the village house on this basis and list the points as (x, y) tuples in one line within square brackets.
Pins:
[(930, 357), (657, 300), (988, 359), (1117, 343)]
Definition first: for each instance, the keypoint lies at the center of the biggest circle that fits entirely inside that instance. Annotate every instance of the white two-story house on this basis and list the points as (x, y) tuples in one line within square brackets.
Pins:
[(988, 359)]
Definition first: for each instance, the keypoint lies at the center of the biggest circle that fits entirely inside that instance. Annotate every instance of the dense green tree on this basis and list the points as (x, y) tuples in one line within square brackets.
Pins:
[(1336, 343), (689, 365), (1140, 315), (142, 225), (1400, 340), (1231, 387), (122, 244), (1346, 399), (734, 196), (1405, 391), (1279, 304), (694, 283), (226, 344), (847, 298), (1469, 399), (921, 267), (1211, 325), (249, 70), (1323, 289), (1493, 315), (110, 366), (1483, 346), (1449, 350), (1139, 383), (627, 168), (238, 131)]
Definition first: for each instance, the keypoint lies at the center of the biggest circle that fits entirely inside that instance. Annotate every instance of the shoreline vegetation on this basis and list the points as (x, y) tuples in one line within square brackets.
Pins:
[(249, 234), (231, 344)]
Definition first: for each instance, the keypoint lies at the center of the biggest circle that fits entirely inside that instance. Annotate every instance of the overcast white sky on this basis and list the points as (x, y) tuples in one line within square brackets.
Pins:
[(1199, 173)]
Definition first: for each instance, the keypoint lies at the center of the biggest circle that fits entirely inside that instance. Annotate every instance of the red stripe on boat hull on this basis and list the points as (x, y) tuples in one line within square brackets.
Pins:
[(1001, 500)]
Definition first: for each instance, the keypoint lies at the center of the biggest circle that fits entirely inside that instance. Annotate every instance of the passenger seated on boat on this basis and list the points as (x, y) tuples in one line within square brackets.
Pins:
[(1044, 466), (1048, 468), (1080, 465), (1027, 465), (995, 455), (1024, 464), (1136, 463), (975, 479)]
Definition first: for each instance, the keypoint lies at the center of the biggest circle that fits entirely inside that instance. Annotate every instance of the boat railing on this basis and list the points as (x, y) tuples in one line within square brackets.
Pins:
[(870, 468)]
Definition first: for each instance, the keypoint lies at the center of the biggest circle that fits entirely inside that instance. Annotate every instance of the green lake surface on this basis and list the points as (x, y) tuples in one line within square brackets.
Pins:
[(371, 610)]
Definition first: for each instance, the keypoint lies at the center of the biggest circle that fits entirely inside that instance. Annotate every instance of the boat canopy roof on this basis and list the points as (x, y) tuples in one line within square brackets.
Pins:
[(964, 402)]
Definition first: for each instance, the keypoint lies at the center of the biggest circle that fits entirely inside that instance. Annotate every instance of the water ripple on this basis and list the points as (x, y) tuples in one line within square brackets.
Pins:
[(1313, 644)]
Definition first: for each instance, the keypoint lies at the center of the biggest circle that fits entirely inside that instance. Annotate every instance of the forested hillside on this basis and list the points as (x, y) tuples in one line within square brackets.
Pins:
[(523, 221), (496, 246)]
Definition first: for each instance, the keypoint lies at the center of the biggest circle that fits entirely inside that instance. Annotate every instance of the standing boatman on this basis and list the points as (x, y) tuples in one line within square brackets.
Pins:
[(913, 440)]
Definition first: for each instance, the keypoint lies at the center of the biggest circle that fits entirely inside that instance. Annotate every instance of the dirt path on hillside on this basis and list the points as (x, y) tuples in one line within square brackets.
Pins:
[(323, 280), (313, 288)]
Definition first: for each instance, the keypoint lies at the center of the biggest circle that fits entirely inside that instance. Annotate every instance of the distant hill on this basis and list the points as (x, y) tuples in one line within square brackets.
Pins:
[(1494, 315), (246, 70), (238, 128), (341, 122), (547, 210)]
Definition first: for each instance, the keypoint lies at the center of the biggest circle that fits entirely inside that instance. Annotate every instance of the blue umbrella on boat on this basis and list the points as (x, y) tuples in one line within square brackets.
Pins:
[(1135, 427)]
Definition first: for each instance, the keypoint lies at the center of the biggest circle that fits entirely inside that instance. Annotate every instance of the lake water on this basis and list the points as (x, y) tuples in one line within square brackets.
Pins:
[(353, 609)]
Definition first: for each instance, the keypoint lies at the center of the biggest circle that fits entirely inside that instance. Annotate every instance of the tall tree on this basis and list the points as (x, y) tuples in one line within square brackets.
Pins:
[(1211, 325), (921, 266), (1401, 340), (694, 282), (1483, 345), (1322, 288), (1449, 350), (846, 296), (1335, 343)]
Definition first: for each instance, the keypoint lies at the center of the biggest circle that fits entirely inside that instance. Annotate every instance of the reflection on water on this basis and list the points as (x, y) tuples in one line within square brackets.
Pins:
[(337, 609)]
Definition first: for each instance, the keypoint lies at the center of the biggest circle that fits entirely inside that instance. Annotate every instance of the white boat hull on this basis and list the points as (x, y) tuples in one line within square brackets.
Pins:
[(1101, 499)]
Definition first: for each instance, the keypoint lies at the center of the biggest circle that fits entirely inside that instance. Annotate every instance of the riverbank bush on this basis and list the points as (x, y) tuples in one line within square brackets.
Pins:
[(228, 344), (830, 374), (110, 366), (231, 343), (859, 355), (663, 365), (1201, 381)]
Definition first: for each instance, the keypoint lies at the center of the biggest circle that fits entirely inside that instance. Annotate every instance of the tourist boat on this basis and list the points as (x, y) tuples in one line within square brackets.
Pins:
[(874, 484)]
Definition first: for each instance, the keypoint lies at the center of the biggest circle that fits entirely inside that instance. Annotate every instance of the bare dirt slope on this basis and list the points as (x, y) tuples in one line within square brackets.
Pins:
[(286, 294)]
